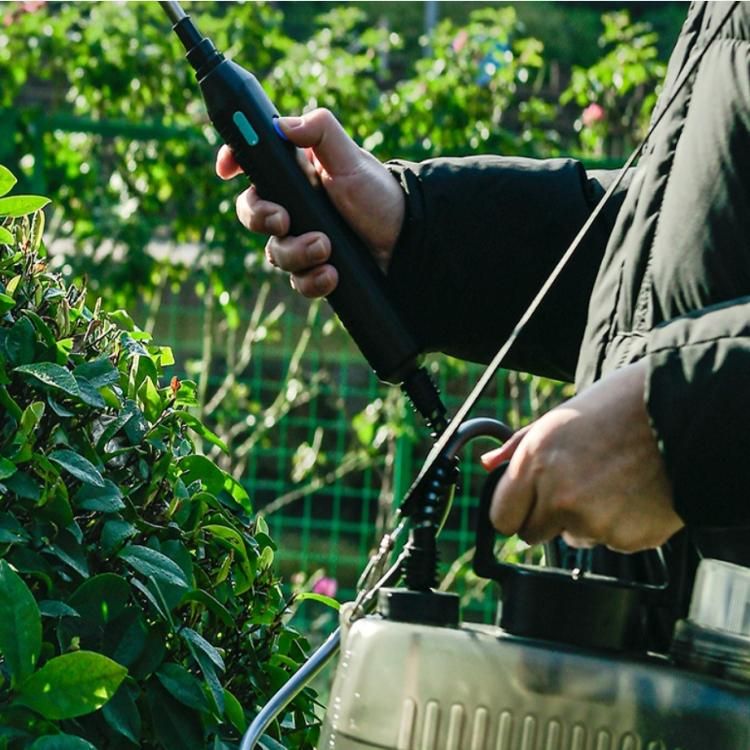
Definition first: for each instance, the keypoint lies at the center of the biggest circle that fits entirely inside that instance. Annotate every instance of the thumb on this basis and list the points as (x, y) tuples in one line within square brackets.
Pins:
[(322, 132)]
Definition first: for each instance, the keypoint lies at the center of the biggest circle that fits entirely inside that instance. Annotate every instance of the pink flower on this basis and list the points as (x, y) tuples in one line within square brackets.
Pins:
[(461, 38), (592, 114), (326, 586)]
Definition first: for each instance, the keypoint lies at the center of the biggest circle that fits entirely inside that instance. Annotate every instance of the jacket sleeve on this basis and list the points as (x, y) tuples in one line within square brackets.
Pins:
[(699, 401), (480, 237)]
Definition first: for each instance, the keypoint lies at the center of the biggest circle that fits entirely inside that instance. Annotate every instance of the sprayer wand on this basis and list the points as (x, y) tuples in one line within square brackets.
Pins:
[(248, 122)]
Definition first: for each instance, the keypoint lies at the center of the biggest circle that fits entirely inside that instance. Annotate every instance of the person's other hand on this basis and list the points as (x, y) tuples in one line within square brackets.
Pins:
[(361, 188), (588, 470)]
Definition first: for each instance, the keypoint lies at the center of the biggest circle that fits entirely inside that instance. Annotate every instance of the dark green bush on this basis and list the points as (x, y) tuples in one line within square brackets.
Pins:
[(138, 605)]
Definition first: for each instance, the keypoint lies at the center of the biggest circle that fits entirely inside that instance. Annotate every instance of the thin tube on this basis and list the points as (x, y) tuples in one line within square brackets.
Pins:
[(287, 693)]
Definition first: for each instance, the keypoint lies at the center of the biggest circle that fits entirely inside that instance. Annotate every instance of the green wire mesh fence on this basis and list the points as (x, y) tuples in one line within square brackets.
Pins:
[(326, 528)]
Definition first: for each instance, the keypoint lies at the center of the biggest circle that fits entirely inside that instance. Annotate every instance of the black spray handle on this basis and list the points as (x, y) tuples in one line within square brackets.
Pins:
[(567, 606), (247, 121)]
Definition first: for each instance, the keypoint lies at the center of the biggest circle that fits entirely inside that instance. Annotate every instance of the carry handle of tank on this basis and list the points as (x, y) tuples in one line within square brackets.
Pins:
[(569, 606)]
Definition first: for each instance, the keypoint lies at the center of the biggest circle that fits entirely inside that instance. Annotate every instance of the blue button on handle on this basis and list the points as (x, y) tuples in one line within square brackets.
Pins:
[(245, 128), (278, 129)]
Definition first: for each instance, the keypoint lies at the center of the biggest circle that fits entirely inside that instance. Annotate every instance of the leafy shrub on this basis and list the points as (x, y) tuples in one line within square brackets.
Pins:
[(619, 90), (138, 606)]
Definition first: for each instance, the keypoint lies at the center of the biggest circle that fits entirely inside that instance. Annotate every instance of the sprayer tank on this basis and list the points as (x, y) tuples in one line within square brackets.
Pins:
[(417, 687)]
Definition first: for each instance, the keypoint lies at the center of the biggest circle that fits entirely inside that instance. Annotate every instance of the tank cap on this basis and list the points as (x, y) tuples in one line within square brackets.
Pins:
[(721, 598), (439, 608)]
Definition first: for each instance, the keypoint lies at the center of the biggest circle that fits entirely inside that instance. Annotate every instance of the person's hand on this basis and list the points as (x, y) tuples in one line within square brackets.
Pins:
[(588, 470), (361, 188)]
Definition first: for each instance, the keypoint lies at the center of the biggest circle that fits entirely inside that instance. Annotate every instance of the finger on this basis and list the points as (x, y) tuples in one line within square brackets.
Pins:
[(321, 131), (541, 525), (261, 216), (298, 255), (306, 160), (492, 459), (226, 166), (318, 282), (514, 496)]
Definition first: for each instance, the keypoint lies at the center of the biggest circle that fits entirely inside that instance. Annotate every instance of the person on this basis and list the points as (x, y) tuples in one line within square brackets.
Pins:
[(651, 318)]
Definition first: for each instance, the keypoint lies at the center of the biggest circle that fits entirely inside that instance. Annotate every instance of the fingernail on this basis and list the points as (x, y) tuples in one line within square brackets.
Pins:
[(317, 251), (290, 123), (322, 283), (273, 223)]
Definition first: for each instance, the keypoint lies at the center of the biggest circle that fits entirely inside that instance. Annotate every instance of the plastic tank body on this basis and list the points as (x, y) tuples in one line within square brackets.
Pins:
[(408, 686), (416, 687)]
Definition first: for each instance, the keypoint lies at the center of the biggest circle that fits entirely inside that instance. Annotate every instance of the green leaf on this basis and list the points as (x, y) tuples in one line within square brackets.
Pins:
[(122, 319), (115, 533), (7, 180), (6, 237), (57, 509), (89, 394), (37, 231), (153, 654), (71, 685), (52, 375), (20, 625), (101, 599), (70, 552), (11, 531), (105, 499), (59, 409), (196, 467), (24, 486), (238, 493), (153, 404), (6, 303), (166, 358), (99, 372), (7, 468), (22, 205), (186, 395), (203, 645), (322, 598), (42, 328), (183, 686), (233, 711), (175, 725), (121, 714), (233, 539), (61, 742), (31, 417), (208, 659), (153, 564), (125, 637), (80, 467), (197, 426), (265, 560), (56, 608), (19, 343), (115, 425)]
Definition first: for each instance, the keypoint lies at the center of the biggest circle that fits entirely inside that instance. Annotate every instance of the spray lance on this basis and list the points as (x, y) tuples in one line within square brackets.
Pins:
[(247, 121)]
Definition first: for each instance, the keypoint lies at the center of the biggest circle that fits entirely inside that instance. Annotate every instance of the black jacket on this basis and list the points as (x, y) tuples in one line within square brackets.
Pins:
[(665, 273)]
